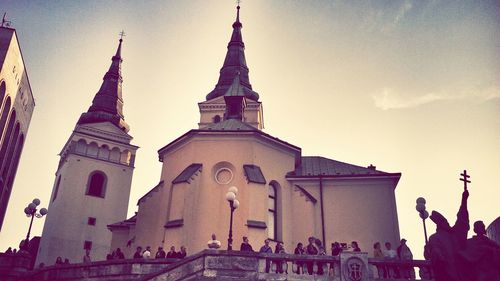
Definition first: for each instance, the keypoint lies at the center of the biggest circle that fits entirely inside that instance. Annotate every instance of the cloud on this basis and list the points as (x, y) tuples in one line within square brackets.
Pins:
[(403, 10), (385, 19), (389, 99)]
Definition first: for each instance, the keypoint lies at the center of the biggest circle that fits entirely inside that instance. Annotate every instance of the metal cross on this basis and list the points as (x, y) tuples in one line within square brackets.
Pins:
[(122, 33), (238, 2), (465, 179)]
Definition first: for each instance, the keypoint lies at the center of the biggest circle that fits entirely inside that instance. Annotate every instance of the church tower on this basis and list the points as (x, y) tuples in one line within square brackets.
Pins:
[(93, 179), (233, 76)]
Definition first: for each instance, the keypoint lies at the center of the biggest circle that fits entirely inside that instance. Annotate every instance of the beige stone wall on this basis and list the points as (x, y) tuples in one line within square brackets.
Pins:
[(13, 73), (66, 226), (362, 210), (201, 203)]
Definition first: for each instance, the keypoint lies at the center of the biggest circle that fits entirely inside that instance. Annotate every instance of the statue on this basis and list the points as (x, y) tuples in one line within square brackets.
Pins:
[(482, 255), (444, 245)]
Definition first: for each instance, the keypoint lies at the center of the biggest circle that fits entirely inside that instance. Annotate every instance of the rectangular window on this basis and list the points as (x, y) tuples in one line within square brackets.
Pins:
[(87, 245), (91, 221)]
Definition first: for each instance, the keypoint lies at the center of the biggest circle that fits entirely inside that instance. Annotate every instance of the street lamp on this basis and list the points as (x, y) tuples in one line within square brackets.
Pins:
[(423, 213), (233, 204), (30, 211)]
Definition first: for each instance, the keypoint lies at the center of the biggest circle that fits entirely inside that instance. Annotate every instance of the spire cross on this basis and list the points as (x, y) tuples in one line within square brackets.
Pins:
[(238, 2), (122, 33), (465, 179), (5, 23)]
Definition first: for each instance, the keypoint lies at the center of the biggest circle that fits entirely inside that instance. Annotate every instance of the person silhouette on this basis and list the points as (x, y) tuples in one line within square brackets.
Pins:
[(482, 255)]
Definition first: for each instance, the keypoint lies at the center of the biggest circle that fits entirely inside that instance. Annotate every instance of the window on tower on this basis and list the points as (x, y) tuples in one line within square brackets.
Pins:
[(87, 245), (96, 185), (216, 119)]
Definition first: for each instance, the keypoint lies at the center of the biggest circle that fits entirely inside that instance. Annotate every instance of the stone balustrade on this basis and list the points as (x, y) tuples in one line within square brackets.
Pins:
[(232, 265)]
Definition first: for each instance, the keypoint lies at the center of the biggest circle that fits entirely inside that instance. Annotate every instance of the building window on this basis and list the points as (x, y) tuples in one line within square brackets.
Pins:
[(216, 119), (57, 188), (271, 213), (96, 185), (91, 221), (87, 245)]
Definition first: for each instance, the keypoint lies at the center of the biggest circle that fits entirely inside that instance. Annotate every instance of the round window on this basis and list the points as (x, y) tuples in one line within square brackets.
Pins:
[(223, 176)]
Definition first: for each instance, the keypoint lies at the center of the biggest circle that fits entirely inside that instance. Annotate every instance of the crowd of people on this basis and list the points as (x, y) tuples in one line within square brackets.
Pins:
[(315, 248), (402, 252), (160, 253)]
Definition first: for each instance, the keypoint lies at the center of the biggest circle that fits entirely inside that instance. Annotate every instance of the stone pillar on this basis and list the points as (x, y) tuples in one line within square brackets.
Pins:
[(354, 266)]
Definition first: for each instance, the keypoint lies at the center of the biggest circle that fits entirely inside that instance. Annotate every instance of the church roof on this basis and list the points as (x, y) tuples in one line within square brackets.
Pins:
[(187, 173), (315, 166), (124, 224), (230, 125), (234, 65), (107, 105)]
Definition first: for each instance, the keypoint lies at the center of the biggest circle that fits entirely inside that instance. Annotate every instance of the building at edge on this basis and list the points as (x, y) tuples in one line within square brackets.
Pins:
[(283, 195), (16, 108)]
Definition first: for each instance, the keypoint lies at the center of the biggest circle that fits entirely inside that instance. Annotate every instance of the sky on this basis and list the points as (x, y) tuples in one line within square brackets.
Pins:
[(408, 86)]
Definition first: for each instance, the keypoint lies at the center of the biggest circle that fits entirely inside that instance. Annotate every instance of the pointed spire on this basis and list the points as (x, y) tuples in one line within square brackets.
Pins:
[(234, 65), (107, 105)]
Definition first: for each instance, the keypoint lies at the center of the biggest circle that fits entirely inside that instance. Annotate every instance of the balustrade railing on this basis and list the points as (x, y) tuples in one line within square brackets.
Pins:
[(332, 268)]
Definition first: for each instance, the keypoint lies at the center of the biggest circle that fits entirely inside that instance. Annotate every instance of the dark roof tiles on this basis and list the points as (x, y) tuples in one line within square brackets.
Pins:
[(229, 125), (313, 166)]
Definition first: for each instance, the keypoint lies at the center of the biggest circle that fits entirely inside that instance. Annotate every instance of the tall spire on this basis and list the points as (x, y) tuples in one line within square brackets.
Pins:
[(234, 64), (107, 105)]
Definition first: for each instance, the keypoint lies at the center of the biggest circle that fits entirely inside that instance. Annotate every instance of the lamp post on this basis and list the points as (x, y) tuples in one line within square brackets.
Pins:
[(423, 213), (30, 211), (233, 205)]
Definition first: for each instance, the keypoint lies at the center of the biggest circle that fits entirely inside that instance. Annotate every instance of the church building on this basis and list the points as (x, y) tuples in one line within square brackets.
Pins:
[(93, 179), (283, 195)]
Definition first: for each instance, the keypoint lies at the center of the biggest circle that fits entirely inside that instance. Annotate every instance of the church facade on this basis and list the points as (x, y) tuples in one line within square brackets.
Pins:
[(93, 179), (283, 195)]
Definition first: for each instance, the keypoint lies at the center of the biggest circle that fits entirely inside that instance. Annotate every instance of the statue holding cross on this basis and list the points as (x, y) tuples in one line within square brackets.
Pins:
[(445, 245)]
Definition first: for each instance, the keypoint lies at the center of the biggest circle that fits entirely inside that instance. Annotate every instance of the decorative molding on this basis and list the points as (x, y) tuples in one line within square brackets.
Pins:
[(303, 192)]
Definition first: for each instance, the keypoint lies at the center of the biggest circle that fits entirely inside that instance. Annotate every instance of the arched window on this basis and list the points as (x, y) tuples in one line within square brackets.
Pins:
[(272, 215), (4, 114), (96, 185), (2, 92), (15, 163), (115, 155), (92, 150), (10, 151), (7, 136), (104, 152), (81, 147), (125, 157), (216, 119), (57, 188)]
